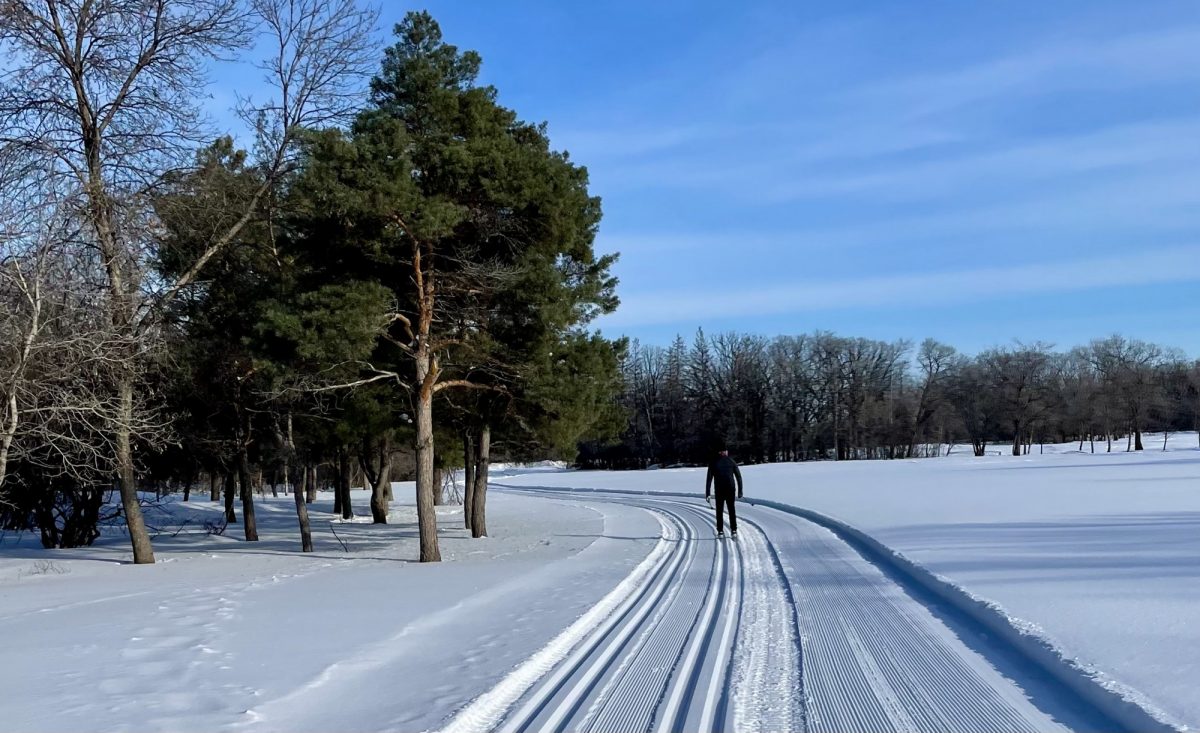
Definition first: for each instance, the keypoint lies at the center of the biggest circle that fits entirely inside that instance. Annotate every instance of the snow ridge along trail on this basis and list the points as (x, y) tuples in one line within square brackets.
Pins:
[(768, 689), (787, 628)]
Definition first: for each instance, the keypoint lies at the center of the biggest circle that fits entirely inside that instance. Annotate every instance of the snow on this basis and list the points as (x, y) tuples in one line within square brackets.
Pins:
[(221, 633), (488, 710), (1098, 553)]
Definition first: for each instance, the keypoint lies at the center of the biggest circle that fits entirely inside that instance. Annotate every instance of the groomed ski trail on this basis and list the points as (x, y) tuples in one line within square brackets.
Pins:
[(786, 628), (677, 655)]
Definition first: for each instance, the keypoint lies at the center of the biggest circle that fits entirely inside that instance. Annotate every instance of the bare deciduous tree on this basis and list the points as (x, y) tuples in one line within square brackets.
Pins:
[(108, 93)]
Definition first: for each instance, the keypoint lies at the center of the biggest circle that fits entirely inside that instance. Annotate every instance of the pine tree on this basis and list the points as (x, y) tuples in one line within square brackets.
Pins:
[(481, 235)]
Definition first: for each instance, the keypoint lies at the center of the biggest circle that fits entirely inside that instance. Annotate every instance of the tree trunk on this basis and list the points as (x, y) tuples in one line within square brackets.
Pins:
[(342, 490), (289, 442), (187, 490), (426, 515), (468, 477), (383, 480), (1016, 446), (230, 515), (337, 485), (479, 500), (143, 553), (249, 523), (311, 495), (438, 487), (214, 492), (1137, 437), (300, 494)]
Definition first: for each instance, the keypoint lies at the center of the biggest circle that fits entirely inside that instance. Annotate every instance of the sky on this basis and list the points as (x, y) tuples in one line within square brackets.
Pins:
[(977, 172)]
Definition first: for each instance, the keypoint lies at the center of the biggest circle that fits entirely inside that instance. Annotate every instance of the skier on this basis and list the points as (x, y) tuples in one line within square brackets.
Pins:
[(724, 471)]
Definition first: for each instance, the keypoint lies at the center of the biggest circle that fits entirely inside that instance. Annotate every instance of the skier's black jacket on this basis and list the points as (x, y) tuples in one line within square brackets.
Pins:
[(726, 474)]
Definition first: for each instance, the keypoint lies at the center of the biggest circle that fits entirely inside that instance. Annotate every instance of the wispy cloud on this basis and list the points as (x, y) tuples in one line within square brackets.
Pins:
[(865, 134), (1167, 265), (1112, 61), (1168, 146)]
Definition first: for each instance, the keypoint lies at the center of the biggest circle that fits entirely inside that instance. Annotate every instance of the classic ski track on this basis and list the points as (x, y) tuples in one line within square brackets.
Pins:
[(675, 713), (864, 653), (620, 667), (668, 665), (609, 717)]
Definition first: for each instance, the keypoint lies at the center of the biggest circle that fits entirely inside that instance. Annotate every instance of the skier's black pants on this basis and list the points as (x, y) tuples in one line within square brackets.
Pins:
[(728, 500)]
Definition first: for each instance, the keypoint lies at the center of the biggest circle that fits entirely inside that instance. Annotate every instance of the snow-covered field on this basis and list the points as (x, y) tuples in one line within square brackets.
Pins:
[(1101, 553), (221, 633)]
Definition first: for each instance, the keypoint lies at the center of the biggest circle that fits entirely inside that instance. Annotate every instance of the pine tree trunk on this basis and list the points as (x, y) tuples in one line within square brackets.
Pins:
[(438, 487), (143, 553), (311, 495), (343, 486), (300, 494), (214, 492), (249, 523), (479, 500), (468, 477), (426, 516), (298, 489), (230, 514), (337, 485), (383, 480)]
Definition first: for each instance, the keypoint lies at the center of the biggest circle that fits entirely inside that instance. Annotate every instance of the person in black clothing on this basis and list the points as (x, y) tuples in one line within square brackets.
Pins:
[(728, 478)]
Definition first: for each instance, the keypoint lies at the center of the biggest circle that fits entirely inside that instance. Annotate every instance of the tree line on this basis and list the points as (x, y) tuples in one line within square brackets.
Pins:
[(396, 277), (823, 396)]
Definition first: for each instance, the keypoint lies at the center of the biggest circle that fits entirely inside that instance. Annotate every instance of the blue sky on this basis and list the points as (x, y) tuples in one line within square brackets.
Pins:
[(975, 172)]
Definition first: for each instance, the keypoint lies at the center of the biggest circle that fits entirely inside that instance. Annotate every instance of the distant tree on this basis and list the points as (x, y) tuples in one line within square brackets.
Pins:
[(1019, 378), (935, 364), (1129, 370)]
